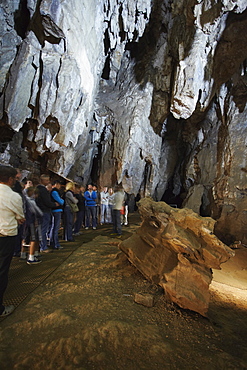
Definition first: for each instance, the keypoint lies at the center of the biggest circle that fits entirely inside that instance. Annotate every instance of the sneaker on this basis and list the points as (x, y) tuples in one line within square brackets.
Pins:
[(60, 247), (7, 310), (45, 250), (34, 262), (76, 234), (86, 228), (94, 228), (37, 255)]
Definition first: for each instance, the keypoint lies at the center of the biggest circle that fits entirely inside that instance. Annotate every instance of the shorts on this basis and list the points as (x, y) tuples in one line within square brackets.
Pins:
[(32, 233)]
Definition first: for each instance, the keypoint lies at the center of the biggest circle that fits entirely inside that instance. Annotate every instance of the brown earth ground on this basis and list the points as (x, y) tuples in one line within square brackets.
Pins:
[(83, 316)]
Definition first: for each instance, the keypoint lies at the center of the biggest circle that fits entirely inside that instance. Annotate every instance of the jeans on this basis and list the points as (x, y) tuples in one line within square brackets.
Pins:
[(116, 219), (7, 244), (104, 213), (18, 240), (55, 225), (68, 223), (80, 216), (46, 219), (109, 213), (91, 211)]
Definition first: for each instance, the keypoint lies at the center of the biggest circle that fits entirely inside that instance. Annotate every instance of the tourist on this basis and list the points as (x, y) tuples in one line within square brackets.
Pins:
[(91, 207), (32, 227), (69, 211), (110, 204), (27, 184), (18, 189), (97, 204), (104, 205), (49, 187), (126, 209), (117, 206), (56, 215), (11, 215), (45, 203), (80, 215)]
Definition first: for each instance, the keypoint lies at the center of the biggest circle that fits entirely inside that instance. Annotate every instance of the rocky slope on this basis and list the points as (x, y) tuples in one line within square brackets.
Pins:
[(148, 93)]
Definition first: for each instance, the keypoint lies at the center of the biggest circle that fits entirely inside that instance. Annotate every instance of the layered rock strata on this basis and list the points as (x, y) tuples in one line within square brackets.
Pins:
[(177, 249)]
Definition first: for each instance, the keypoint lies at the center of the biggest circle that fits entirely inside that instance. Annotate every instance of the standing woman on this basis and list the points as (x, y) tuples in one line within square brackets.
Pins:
[(69, 211)]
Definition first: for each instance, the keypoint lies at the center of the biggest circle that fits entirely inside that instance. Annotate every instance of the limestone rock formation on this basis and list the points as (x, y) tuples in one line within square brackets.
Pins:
[(148, 93), (177, 249)]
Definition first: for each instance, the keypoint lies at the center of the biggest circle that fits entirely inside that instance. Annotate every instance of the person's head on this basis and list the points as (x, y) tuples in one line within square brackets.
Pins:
[(57, 184), (105, 188), (90, 187), (18, 175), (110, 191), (28, 184), (77, 189), (30, 191), (70, 186), (82, 189), (118, 188), (49, 186), (44, 179), (7, 175), (94, 188)]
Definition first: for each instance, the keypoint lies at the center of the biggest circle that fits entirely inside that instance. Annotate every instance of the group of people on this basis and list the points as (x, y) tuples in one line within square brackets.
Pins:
[(108, 206), (31, 217)]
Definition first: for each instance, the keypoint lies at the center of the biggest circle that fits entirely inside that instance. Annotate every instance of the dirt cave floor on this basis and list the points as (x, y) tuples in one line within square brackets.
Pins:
[(83, 316)]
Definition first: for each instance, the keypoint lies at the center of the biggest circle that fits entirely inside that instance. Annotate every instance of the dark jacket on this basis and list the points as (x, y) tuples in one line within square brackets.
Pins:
[(81, 201), (18, 188), (43, 199)]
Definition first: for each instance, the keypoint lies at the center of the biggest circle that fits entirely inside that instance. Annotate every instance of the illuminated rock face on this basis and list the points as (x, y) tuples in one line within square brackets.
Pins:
[(142, 92), (177, 249)]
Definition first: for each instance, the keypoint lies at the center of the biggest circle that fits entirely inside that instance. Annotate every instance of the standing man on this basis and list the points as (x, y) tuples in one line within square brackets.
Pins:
[(18, 189), (56, 215), (45, 203), (80, 215), (91, 206), (11, 215), (104, 203), (118, 201)]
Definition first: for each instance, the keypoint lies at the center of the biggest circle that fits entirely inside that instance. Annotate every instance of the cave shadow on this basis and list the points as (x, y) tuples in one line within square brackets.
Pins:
[(231, 49), (145, 49)]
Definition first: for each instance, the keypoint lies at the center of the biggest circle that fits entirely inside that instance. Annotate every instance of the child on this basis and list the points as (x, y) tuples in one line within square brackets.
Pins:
[(32, 227)]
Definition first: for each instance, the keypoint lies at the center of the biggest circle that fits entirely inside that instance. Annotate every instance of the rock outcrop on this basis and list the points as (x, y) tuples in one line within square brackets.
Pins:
[(148, 93), (177, 249)]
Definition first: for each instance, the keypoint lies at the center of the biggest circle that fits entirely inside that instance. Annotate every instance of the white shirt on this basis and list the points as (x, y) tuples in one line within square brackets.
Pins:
[(11, 210), (118, 200), (104, 198)]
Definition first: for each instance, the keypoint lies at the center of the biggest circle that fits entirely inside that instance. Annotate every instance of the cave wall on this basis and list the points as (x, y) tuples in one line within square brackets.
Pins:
[(148, 93)]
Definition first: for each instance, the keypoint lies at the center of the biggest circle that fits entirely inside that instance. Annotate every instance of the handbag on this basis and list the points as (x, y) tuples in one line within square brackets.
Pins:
[(73, 207)]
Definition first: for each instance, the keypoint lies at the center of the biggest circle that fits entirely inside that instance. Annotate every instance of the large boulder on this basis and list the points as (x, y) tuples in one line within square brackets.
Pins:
[(177, 249)]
